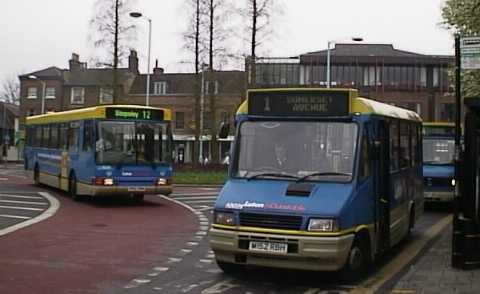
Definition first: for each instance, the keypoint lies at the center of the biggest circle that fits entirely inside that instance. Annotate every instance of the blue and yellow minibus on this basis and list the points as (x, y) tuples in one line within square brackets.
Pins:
[(101, 150), (319, 179), (438, 161)]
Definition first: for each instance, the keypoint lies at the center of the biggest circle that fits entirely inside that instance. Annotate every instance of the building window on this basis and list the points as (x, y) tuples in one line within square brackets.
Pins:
[(179, 120), (211, 86), (436, 75), (106, 95), (50, 93), (159, 88), (78, 95), (32, 93)]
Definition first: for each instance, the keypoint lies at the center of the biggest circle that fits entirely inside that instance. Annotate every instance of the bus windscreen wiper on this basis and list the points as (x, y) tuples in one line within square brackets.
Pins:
[(323, 174), (270, 174)]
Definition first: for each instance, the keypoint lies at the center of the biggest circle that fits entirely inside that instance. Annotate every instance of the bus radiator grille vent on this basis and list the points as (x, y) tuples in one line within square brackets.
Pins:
[(287, 222)]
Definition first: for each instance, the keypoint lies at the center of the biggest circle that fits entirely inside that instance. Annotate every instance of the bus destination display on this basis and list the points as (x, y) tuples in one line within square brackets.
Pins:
[(307, 103), (134, 114)]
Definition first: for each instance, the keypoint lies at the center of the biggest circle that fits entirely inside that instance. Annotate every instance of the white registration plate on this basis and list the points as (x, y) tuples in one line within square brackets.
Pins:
[(136, 189), (268, 247)]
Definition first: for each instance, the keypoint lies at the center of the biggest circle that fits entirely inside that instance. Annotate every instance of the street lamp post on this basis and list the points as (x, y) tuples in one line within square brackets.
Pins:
[(202, 102), (138, 15), (355, 39), (44, 86)]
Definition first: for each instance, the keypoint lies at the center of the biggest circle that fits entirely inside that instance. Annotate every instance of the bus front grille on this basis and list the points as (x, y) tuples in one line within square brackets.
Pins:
[(287, 222)]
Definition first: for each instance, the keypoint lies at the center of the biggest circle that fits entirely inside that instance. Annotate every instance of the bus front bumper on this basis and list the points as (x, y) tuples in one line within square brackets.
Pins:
[(93, 190), (304, 252), (438, 196)]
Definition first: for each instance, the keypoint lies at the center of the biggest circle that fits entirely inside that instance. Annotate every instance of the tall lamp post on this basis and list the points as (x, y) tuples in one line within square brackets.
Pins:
[(44, 86), (202, 105), (355, 39), (139, 15)]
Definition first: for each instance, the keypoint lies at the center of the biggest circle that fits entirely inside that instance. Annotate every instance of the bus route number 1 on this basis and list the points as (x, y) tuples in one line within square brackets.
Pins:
[(146, 114)]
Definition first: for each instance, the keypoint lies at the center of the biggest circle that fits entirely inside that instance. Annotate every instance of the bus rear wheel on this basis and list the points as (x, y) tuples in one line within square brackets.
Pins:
[(72, 188), (358, 260), (36, 176)]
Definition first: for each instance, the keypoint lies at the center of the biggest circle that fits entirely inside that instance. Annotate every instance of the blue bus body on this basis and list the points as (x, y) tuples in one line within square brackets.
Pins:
[(76, 156), (269, 220), (438, 164)]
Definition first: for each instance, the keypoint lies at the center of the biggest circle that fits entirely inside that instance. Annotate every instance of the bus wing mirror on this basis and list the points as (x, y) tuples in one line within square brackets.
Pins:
[(224, 130)]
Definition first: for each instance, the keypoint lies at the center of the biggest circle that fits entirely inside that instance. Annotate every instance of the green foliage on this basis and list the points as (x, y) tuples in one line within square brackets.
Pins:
[(463, 17), (199, 177)]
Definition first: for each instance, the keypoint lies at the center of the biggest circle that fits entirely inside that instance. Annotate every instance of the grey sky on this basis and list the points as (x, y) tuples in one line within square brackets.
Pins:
[(36, 34)]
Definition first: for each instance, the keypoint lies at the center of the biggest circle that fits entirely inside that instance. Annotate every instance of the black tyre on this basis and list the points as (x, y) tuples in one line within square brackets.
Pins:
[(138, 197), (358, 260), (72, 188), (36, 176), (230, 268)]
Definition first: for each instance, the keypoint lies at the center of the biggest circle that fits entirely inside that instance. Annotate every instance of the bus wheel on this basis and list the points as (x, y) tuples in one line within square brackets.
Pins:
[(36, 176), (230, 268), (72, 188), (358, 260), (138, 197)]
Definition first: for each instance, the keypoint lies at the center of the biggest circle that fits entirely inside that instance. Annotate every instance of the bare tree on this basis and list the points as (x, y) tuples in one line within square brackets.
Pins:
[(206, 37), (10, 91), (112, 31)]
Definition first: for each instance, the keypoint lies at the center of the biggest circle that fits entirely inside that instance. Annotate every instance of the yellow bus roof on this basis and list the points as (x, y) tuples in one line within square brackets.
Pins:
[(439, 124), (357, 104), (87, 113)]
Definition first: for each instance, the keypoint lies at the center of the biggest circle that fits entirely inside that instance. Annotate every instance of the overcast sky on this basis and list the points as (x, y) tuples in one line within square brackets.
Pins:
[(35, 34)]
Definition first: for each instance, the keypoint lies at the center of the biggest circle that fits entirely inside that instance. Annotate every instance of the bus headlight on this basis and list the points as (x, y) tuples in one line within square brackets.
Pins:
[(108, 182), (224, 218), (453, 182), (162, 181), (322, 225)]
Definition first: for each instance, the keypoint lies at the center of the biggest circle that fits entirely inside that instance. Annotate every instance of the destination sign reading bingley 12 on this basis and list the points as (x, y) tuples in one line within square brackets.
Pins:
[(301, 103), (132, 113)]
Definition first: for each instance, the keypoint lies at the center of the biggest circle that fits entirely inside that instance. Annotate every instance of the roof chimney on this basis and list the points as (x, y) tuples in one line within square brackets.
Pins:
[(133, 62), (157, 70), (75, 63)]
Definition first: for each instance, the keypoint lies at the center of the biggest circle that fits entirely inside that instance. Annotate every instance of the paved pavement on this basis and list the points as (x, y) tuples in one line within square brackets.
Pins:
[(433, 273)]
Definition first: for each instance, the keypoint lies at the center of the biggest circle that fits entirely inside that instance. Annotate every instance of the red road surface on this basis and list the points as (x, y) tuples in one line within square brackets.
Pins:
[(92, 247)]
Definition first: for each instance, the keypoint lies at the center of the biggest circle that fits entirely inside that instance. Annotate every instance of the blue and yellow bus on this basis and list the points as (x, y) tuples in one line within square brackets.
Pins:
[(101, 150), (319, 179), (438, 161)]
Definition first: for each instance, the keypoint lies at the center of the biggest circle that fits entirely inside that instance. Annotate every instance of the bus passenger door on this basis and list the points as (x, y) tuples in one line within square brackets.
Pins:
[(381, 184)]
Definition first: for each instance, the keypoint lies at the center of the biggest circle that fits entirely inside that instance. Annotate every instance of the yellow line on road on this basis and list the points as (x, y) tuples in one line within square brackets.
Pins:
[(375, 282)]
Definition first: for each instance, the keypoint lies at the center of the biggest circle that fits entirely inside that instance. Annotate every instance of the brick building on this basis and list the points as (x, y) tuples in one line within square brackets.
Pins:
[(177, 91), (379, 71), (78, 86)]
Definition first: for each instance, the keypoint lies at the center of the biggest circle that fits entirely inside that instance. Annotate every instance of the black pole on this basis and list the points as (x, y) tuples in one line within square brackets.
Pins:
[(457, 250)]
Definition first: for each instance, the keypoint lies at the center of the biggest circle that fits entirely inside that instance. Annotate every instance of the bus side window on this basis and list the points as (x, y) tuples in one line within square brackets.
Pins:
[(88, 135), (394, 145), (414, 138), (364, 168), (404, 145), (73, 138), (38, 136), (53, 136), (62, 136)]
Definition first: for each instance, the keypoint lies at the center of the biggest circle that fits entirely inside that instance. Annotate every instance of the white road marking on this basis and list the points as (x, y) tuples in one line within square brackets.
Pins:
[(199, 201), (174, 259), (153, 274), (20, 196), (192, 194), (196, 198), (206, 208), (23, 202), (206, 260), (21, 208), (14, 216), (54, 205), (142, 281), (160, 269), (186, 250), (20, 192), (220, 287), (192, 243)]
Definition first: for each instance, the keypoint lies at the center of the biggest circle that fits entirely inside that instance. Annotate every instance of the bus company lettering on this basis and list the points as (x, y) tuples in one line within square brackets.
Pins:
[(246, 204), (309, 103), (294, 207), (126, 114)]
